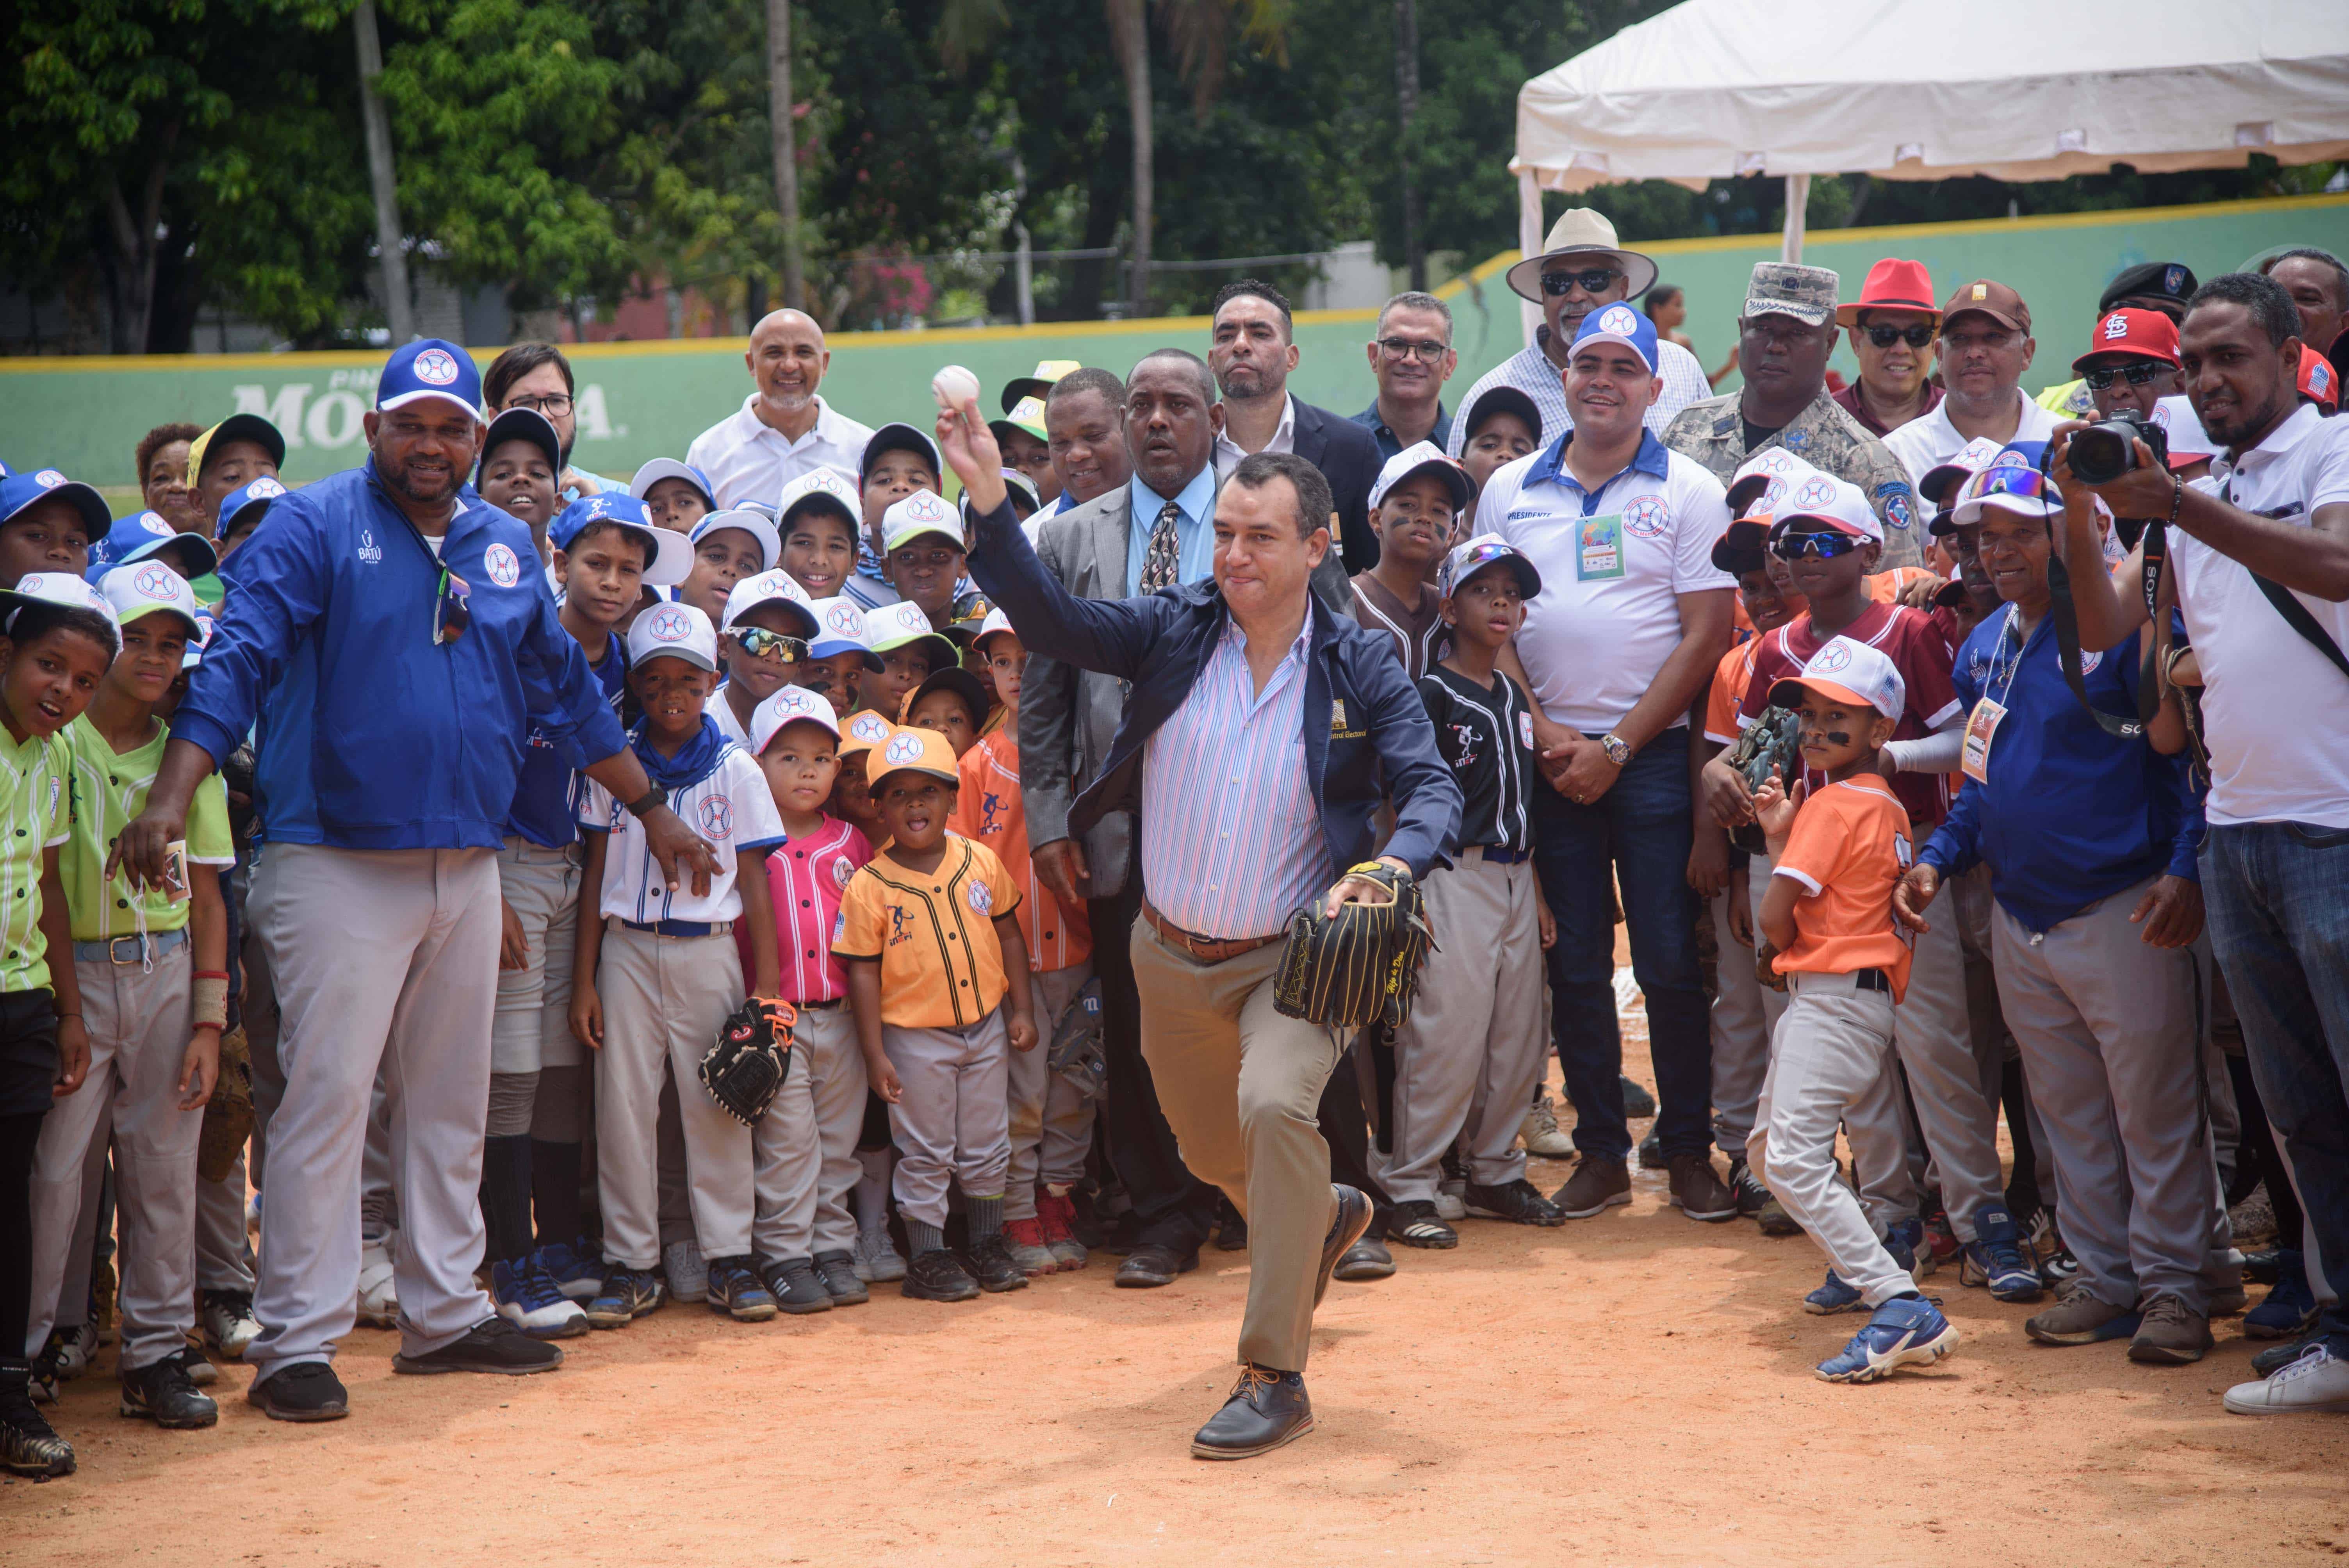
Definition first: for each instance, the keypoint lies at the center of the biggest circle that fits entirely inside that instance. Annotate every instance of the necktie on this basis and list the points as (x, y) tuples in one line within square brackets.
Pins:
[(1163, 560)]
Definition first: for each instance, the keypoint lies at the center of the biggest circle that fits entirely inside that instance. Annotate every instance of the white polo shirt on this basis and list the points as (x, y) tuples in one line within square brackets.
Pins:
[(1612, 565), (2275, 711), (732, 807), (747, 460), (1927, 441)]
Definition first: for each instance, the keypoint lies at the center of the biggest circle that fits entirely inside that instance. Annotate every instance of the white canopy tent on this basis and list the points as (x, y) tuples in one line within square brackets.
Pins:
[(1932, 89)]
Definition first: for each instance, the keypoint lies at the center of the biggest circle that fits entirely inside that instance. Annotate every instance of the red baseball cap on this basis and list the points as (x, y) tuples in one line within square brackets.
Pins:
[(2318, 381), (1892, 284), (2135, 333)]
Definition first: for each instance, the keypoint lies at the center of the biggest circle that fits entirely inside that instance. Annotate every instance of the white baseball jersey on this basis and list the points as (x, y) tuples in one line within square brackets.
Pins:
[(730, 807)]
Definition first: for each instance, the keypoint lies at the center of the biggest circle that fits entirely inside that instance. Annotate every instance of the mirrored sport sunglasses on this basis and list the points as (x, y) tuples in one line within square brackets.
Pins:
[(1791, 546), (759, 643), (2009, 479), (1476, 560), (2139, 373), (1591, 279), (1885, 336)]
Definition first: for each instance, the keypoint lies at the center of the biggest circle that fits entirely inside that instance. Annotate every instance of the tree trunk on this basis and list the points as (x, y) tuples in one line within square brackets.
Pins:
[(785, 132), (1414, 237), (398, 312), (136, 248), (1130, 35)]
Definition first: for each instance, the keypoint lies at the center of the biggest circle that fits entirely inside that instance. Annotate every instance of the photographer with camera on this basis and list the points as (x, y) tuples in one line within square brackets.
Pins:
[(2259, 554)]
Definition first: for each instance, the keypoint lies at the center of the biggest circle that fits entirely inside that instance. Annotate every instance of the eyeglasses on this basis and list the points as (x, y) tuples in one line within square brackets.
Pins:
[(1589, 280), (1824, 546), (1885, 336), (452, 613), (1426, 352), (2141, 373), (759, 643), (555, 404)]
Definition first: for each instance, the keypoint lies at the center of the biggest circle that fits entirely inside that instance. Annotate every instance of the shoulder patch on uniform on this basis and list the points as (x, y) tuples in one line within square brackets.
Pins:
[(1894, 500)]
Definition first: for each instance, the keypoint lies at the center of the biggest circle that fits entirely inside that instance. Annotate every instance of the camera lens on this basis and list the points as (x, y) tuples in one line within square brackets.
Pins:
[(2102, 453)]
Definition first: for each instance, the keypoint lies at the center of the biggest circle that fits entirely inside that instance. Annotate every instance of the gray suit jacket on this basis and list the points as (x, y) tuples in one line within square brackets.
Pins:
[(1067, 716)]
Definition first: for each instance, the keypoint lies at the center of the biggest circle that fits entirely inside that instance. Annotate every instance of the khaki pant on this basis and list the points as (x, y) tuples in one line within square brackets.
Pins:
[(1239, 1084)]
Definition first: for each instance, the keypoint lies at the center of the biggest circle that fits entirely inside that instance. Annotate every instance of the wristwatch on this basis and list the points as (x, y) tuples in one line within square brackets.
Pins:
[(1618, 749), (651, 800)]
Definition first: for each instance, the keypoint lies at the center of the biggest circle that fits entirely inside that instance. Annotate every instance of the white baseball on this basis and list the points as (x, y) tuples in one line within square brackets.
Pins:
[(953, 385)]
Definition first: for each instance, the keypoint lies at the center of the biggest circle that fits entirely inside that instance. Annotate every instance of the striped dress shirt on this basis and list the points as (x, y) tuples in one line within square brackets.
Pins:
[(1231, 836)]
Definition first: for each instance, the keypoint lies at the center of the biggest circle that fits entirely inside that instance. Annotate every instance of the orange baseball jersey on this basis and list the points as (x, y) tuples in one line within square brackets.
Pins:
[(1729, 678), (989, 810), (941, 966), (1849, 846)]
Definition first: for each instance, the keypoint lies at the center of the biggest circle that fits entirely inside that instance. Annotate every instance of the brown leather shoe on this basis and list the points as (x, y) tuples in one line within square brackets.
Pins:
[(1701, 1195), (1597, 1183)]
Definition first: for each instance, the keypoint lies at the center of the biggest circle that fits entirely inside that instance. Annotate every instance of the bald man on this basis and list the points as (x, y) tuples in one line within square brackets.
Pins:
[(784, 429)]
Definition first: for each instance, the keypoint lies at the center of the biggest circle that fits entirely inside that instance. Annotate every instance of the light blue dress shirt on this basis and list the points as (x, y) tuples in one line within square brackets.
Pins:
[(1195, 530)]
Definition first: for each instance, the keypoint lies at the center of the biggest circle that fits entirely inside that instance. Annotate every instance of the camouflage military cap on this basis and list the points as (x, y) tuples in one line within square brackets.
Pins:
[(1783, 288)]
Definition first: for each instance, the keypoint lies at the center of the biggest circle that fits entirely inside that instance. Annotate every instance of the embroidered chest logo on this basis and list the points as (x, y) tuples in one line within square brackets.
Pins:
[(369, 550), (717, 817), (901, 925), (981, 896), (841, 871), (1464, 736), (504, 568), (1648, 517), (991, 813)]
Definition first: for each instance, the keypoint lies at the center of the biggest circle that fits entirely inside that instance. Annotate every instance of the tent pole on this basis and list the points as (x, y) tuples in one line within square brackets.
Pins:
[(1529, 242), (1798, 196)]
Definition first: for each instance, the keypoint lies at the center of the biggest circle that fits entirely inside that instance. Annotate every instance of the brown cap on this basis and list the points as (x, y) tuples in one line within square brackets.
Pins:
[(1996, 301)]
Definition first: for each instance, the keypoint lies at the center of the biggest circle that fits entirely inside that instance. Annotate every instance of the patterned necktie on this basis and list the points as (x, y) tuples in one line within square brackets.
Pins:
[(1161, 560)]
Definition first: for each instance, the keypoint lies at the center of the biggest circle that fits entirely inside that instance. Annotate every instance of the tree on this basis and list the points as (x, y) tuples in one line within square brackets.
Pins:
[(779, 116)]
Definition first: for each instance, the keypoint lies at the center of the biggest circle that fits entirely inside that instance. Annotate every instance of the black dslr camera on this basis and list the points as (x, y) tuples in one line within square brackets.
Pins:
[(2102, 453)]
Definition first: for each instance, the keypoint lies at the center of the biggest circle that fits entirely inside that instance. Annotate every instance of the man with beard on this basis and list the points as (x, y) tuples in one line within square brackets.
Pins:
[(536, 377), (784, 429)]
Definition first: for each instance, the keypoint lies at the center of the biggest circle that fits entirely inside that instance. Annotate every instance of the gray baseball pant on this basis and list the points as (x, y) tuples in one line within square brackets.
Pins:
[(386, 961), (531, 1027), (787, 1160), (1935, 1046), (952, 1119), (832, 1061), (663, 999), (1050, 1114), (1467, 1059), (1741, 1033)]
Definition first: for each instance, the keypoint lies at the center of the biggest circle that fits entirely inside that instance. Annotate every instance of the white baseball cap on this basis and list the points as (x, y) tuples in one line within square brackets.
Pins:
[(674, 632), (758, 525), (141, 589), (1848, 672), (840, 629), (822, 486), (1840, 504), (790, 705), (766, 588), (893, 627), (2010, 486), (660, 469), (996, 621), (922, 513), (58, 588), (1762, 482), (1422, 456)]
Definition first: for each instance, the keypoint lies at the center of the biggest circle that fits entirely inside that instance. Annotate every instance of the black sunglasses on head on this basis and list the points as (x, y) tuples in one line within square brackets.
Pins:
[(2141, 374), (1591, 279), (1885, 336)]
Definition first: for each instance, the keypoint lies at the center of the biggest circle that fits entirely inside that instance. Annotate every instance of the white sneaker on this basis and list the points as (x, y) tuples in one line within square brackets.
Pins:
[(1540, 1133), (227, 1321), (74, 1353), (527, 1296), (877, 1261), (1450, 1199), (689, 1274), (2316, 1383), (378, 1305)]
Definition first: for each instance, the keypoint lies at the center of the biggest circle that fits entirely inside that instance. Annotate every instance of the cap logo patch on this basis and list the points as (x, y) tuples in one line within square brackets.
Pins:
[(156, 582), (2010, 458), (1980, 292), (903, 748), (434, 367), (49, 478), (1815, 492), (717, 817), (670, 626), (1770, 494), (156, 525), (263, 486), (1835, 657), (842, 618), (2320, 377), (868, 725), (1647, 516), (2116, 327), (500, 563), (2173, 282), (923, 507), (1619, 318)]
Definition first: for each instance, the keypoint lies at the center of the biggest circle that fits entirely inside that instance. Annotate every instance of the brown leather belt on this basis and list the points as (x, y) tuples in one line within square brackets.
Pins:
[(1206, 950)]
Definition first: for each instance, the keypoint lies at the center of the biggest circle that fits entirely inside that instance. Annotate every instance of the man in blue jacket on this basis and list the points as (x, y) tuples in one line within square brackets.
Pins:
[(2091, 839), (1254, 745), (395, 638)]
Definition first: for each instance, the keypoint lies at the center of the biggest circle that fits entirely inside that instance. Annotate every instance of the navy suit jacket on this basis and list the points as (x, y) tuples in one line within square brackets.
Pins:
[(1348, 457)]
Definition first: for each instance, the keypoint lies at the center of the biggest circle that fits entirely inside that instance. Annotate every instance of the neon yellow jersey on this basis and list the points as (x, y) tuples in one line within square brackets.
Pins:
[(2069, 398), (35, 813), (109, 788)]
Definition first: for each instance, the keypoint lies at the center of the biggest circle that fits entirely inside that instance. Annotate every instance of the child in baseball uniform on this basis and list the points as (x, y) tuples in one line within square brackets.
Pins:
[(1468, 1057), (767, 633), (1837, 851), (928, 934), (47, 524), (923, 541), (667, 975), (910, 650), (839, 657), (805, 1147), (878, 1260), (817, 517), (899, 461), (728, 547), (62, 639), (1051, 1114)]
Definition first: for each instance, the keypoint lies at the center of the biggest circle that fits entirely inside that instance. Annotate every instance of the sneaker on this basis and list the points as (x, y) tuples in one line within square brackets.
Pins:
[(1541, 1134), (2058, 1268), (1652, 1153), (379, 1295), (198, 1367), (627, 1295), (1415, 1225), (1699, 1192), (2282, 1354), (735, 1289), (162, 1394), (838, 1272), (990, 1261), (1519, 1203), (1940, 1235), (493, 1346), (2081, 1317), (1451, 1199), (70, 1350), (1836, 1295), (227, 1321), (938, 1275), (1026, 1239), (1638, 1103), (1906, 1330), (29, 1446), (1059, 1215), (2290, 1307), (2170, 1333), (687, 1271), (1752, 1196), (304, 1391), (577, 1270), (1996, 1257), (797, 1288), (877, 1261), (1598, 1183), (41, 1379), (1775, 1221), (1906, 1242), (527, 1296), (2316, 1381)]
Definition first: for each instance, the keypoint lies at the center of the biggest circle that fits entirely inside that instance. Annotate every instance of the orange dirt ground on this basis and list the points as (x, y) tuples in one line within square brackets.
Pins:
[(1631, 1390)]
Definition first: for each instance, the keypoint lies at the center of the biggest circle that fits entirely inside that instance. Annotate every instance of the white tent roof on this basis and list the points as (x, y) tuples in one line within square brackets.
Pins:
[(1928, 89)]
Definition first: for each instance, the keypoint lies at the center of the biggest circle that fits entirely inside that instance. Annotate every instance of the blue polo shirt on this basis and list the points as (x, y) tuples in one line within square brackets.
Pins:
[(2070, 815), (1389, 443), (1195, 528)]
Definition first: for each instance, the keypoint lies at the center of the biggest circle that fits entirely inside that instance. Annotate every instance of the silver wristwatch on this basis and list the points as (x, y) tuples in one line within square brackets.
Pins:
[(1618, 749)]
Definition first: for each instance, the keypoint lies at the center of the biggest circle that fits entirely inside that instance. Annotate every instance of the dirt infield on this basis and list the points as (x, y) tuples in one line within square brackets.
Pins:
[(1631, 1389)]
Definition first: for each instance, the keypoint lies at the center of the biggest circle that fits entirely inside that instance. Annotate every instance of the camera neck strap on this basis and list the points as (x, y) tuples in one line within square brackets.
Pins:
[(2066, 619), (2295, 614)]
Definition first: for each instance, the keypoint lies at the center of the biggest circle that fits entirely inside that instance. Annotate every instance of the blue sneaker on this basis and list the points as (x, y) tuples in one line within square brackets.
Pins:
[(578, 1271), (2290, 1305), (1997, 1257), (736, 1290), (627, 1294), (1906, 1244), (1907, 1329), (527, 1297), (1832, 1297)]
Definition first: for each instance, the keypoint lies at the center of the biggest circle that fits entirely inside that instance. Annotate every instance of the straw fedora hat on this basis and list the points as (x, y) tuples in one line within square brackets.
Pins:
[(1582, 232)]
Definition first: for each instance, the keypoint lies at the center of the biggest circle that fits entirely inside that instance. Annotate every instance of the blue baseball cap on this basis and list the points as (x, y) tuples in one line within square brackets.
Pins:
[(428, 367), (20, 490), (126, 535), (205, 557), (233, 505), (1620, 323), (668, 556)]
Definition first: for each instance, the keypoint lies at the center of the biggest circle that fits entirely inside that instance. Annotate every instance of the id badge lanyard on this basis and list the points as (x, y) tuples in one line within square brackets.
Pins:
[(1981, 724)]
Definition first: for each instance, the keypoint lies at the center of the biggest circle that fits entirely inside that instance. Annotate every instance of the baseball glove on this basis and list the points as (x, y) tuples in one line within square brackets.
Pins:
[(1771, 743), (228, 1115), (1076, 1050), (750, 1059), (1361, 964)]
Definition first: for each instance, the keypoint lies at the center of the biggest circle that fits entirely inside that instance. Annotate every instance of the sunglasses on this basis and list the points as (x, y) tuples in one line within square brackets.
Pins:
[(2011, 480), (452, 610), (1824, 546), (2141, 373), (1589, 280), (759, 643), (1885, 336)]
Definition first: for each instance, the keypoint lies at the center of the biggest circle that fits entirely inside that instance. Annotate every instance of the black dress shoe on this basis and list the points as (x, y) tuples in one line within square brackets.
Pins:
[(1151, 1264), (1231, 1231), (305, 1391), (492, 1345), (1267, 1409), (1352, 1218), (1638, 1103)]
